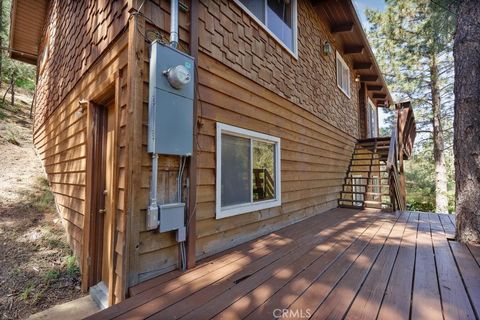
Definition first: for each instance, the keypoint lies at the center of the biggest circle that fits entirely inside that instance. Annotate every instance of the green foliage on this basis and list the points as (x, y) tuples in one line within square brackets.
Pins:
[(411, 38), (52, 274), (26, 292), (24, 74), (73, 270)]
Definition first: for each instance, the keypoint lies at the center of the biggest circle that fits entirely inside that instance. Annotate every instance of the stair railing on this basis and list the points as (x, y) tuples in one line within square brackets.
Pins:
[(401, 146)]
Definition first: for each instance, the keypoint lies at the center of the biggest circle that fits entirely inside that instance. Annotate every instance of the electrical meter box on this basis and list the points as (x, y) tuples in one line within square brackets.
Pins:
[(171, 94)]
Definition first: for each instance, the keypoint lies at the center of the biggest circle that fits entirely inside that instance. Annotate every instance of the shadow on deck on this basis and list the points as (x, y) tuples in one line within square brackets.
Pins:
[(341, 264)]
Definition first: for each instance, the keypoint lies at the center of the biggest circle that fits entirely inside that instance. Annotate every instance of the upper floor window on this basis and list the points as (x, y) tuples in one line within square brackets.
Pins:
[(343, 75), (279, 17)]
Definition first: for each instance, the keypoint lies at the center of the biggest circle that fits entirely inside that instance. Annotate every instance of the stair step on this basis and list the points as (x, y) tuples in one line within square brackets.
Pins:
[(365, 185), (367, 171), (377, 193), (360, 203), (350, 206)]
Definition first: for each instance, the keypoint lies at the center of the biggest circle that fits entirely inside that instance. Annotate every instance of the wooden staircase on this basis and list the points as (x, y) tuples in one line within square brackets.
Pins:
[(375, 176), (366, 182)]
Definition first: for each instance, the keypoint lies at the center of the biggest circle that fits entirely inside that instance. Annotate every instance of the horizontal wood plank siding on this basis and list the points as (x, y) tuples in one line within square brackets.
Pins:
[(314, 156), (299, 102), (61, 144)]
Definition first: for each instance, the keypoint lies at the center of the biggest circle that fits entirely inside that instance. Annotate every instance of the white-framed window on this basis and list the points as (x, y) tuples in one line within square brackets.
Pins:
[(343, 75), (248, 171), (277, 17)]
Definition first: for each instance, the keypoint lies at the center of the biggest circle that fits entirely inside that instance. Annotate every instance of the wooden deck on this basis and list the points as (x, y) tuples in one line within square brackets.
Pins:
[(341, 264)]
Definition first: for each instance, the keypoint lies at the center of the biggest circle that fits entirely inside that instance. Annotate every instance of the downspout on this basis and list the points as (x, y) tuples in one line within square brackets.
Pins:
[(174, 23)]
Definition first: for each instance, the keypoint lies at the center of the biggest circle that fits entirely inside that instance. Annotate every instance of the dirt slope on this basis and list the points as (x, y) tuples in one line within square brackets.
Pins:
[(37, 270)]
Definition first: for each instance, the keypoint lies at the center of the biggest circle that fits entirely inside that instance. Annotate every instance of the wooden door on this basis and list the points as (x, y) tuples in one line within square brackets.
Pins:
[(101, 172), (108, 210)]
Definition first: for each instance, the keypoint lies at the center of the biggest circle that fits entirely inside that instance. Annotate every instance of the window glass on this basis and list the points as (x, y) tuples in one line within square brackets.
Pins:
[(279, 20), (343, 75), (277, 15), (235, 170), (257, 7), (263, 171)]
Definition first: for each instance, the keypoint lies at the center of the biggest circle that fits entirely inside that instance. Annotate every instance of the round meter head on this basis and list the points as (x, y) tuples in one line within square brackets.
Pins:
[(178, 76)]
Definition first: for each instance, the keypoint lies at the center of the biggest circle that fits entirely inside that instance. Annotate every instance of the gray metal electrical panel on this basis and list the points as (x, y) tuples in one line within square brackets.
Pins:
[(170, 123)]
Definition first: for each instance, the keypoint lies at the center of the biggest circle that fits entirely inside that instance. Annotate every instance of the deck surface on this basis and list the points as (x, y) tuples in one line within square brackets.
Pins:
[(343, 264)]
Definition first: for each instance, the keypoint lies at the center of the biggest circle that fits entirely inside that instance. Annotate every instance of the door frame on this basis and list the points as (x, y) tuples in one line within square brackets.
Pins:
[(96, 133)]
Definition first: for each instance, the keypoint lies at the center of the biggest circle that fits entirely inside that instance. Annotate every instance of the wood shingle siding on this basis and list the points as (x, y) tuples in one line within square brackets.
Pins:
[(76, 33), (61, 145), (299, 102)]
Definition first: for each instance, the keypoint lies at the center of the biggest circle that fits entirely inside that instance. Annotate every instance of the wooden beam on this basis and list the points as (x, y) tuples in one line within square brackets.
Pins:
[(362, 65), (353, 49), (338, 28), (368, 78), (379, 95), (374, 88), (192, 201)]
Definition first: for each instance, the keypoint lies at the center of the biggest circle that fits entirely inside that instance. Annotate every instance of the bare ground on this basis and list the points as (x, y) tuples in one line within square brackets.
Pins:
[(37, 269)]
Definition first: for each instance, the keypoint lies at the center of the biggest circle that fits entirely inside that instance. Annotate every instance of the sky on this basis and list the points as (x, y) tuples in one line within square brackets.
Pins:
[(360, 6)]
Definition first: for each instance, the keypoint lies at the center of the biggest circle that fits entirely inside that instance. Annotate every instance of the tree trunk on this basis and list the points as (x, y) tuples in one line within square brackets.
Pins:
[(1, 44), (466, 53), (441, 196)]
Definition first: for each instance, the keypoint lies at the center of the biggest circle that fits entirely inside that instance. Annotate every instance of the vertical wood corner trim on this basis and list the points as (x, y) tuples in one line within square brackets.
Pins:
[(192, 201), (134, 144)]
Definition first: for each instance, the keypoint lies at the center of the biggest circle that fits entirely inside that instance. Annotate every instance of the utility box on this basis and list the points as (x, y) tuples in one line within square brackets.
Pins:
[(172, 217), (171, 94)]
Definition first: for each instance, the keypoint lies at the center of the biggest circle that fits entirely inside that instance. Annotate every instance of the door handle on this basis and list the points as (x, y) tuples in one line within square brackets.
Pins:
[(102, 211)]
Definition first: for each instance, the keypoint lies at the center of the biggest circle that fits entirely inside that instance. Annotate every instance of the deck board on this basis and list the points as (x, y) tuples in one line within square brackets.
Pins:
[(341, 264), (455, 302), (396, 302)]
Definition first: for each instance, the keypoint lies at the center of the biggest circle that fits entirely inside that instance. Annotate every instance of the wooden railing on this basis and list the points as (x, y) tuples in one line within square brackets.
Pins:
[(400, 149), (264, 184)]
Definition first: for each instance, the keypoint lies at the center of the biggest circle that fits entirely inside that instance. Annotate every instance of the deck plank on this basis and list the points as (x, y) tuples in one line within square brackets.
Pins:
[(314, 295), (227, 256), (426, 294), (336, 304), (301, 257), (288, 293), (455, 302), (340, 264), (470, 272), (396, 303), (447, 224), (237, 258), (243, 267), (368, 300), (475, 250)]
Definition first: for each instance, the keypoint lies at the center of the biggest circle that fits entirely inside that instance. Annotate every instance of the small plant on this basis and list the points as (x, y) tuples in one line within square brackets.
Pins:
[(12, 138), (73, 270), (26, 292), (52, 275)]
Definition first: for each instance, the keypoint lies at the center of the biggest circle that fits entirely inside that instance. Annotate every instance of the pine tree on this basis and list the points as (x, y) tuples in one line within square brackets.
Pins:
[(413, 40), (467, 120)]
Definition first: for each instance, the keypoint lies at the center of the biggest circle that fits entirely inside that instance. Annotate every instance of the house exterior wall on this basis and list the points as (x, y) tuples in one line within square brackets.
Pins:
[(84, 50), (247, 79)]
